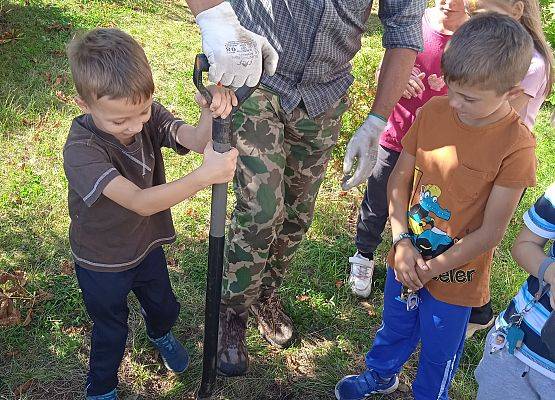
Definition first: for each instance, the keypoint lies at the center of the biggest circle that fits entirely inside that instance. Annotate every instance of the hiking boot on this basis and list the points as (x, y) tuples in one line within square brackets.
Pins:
[(174, 355), (360, 279), (358, 387), (112, 395), (233, 356), (273, 324), (480, 318)]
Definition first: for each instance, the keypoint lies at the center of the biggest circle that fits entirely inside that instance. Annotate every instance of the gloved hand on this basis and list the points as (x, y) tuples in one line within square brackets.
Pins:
[(361, 147), (235, 53)]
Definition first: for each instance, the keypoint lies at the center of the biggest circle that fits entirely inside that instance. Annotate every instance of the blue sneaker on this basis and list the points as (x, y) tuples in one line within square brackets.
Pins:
[(358, 387), (173, 353), (113, 395)]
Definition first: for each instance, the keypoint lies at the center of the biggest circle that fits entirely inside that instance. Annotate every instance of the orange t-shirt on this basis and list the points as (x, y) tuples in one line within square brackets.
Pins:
[(456, 168)]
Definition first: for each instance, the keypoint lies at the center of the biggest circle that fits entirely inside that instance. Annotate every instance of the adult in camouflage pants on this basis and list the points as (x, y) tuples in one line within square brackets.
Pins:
[(282, 162), (285, 134)]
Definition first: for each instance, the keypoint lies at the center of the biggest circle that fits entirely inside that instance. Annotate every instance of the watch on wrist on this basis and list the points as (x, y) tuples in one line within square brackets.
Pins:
[(402, 236)]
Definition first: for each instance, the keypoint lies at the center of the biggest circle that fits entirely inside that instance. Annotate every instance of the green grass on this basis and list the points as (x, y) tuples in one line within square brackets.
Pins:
[(36, 110)]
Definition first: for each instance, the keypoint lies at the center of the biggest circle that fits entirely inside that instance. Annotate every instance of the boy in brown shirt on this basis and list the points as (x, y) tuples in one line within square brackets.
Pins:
[(465, 163), (119, 201)]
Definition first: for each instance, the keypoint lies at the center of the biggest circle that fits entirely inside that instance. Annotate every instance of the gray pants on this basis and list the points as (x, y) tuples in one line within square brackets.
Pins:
[(374, 208), (499, 377)]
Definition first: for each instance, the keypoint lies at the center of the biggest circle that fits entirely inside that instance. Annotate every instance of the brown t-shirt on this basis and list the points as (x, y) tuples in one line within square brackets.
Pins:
[(105, 236), (456, 168)]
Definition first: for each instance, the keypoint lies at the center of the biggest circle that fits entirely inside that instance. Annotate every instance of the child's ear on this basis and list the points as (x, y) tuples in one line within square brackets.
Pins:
[(517, 10), (514, 92), (82, 104)]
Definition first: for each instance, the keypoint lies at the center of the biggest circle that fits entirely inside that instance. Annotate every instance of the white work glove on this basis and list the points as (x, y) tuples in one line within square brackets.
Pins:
[(235, 53), (361, 147)]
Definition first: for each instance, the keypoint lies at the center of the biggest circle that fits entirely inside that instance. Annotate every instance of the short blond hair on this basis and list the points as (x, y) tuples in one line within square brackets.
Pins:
[(490, 51), (109, 62)]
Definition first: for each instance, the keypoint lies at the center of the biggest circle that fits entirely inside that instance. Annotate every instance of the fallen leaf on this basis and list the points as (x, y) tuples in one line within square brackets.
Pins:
[(303, 297), (11, 354), (27, 319), (339, 283), (9, 315), (66, 268), (23, 388), (369, 308)]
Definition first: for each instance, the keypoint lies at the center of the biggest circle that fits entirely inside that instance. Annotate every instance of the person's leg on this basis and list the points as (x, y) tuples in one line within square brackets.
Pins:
[(374, 208), (442, 329), (399, 334), (542, 385), (371, 222), (499, 374), (258, 187), (160, 308), (105, 297), (395, 341), (259, 211), (308, 144)]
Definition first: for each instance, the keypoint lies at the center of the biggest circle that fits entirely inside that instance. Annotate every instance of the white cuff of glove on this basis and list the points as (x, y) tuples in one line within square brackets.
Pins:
[(223, 13)]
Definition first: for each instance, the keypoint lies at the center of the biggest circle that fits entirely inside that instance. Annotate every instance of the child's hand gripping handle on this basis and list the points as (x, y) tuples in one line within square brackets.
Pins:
[(221, 131)]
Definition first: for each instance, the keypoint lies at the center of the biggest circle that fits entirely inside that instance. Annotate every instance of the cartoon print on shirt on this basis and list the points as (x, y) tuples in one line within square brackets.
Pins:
[(426, 237)]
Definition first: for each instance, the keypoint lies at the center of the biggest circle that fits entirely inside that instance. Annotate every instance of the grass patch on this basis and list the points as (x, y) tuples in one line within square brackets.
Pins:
[(36, 110)]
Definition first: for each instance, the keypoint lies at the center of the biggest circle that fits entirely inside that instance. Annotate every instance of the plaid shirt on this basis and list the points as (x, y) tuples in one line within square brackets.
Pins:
[(317, 39)]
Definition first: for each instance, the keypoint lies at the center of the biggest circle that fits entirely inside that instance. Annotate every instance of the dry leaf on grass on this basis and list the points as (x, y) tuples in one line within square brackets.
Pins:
[(66, 267), (369, 308), (303, 297), (13, 288), (23, 388)]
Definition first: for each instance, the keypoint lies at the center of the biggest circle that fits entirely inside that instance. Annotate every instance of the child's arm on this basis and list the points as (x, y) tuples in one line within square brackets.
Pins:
[(500, 207), (215, 168), (398, 193), (196, 137), (528, 252)]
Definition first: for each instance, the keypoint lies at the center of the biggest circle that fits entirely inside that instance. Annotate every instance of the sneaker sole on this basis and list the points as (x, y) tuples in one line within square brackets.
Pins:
[(385, 391), (472, 328), (172, 370)]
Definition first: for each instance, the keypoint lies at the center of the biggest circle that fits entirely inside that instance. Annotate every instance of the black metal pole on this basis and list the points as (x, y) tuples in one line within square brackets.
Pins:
[(221, 137), (216, 241)]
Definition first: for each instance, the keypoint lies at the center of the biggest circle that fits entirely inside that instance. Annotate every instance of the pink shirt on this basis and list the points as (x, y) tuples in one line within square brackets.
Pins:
[(534, 84), (428, 62)]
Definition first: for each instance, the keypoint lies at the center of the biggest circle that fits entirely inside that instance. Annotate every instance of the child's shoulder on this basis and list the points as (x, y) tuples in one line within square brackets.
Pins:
[(435, 106), (518, 134), (81, 139)]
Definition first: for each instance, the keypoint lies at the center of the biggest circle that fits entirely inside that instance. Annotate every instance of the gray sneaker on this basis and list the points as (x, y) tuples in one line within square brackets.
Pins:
[(273, 324), (233, 356)]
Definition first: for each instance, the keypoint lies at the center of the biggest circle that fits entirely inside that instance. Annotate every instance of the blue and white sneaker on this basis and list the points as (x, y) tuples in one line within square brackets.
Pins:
[(174, 355), (113, 395), (358, 387)]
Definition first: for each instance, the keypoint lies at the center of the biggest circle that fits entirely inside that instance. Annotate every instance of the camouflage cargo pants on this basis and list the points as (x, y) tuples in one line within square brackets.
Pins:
[(282, 162)]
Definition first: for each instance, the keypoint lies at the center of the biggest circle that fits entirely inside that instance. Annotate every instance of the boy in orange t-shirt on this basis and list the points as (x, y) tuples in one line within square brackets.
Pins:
[(465, 163)]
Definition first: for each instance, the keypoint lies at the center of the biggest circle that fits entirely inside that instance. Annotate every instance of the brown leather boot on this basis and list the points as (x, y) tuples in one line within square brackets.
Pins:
[(273, 324), (233, 356)]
